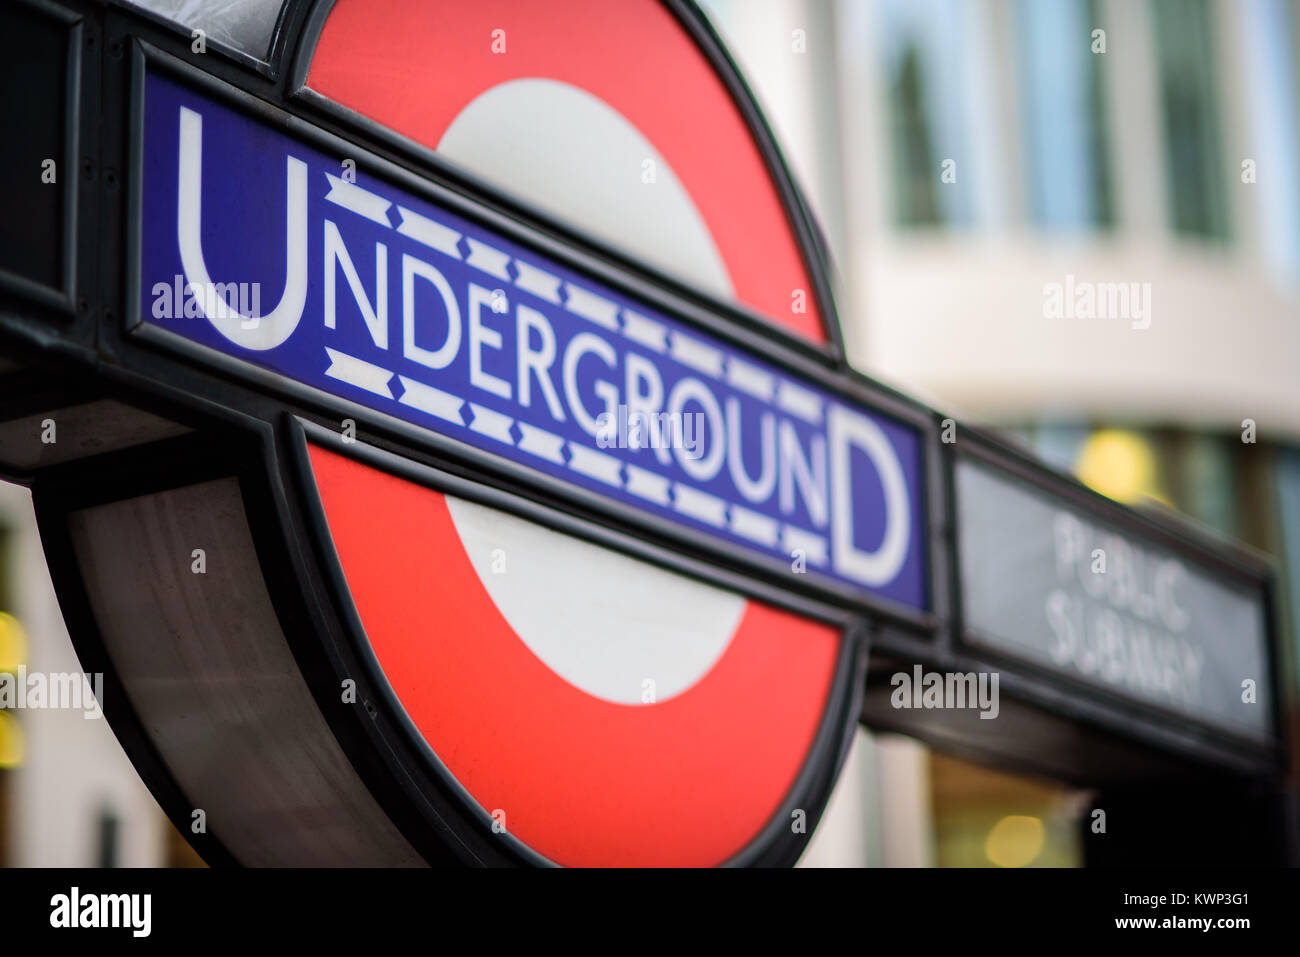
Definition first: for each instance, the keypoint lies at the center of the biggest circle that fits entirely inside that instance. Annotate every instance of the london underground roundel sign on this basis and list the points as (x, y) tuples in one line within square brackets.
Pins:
[(619, 700), (529, 513)]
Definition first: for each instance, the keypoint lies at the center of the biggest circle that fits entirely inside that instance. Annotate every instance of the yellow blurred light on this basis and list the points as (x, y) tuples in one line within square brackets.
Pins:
[(1015, 841), (11, 741), (1119, 465), (13, 643)]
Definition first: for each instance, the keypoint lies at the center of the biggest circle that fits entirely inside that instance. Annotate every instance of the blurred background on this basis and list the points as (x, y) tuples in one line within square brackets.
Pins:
[(1124, 141), (960, 155)]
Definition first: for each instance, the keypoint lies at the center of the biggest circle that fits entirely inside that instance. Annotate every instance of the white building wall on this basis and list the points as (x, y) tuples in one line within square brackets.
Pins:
[(74, 768)]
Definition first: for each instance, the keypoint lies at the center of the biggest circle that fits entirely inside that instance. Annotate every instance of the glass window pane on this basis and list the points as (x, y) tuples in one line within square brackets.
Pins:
[(1288, 493), (1211, 482), (1064, 113), (246, 25), (1270, 37), (1058, 442), (925, 83), (1185, 65)]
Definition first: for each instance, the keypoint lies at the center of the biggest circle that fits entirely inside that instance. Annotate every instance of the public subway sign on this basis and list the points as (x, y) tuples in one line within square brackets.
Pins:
[(1054, 586), (263, 248)]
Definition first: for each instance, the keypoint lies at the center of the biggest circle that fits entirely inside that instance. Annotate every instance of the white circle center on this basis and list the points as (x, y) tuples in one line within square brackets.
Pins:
[(572, 155), (620, 629)]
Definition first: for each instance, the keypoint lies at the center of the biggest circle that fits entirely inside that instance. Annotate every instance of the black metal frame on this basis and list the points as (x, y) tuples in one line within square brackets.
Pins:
[(62, 300)]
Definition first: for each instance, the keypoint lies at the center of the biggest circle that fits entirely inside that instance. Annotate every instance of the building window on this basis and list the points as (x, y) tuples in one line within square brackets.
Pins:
[(990, 818), (1209, 482), (927, 79), (1185, 68), (1065, 115), (1270, 34), (917, 193), (1288, 498)]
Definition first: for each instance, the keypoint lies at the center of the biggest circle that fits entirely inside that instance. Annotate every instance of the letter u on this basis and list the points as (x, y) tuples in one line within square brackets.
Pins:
[(760, 489), (249, 331)]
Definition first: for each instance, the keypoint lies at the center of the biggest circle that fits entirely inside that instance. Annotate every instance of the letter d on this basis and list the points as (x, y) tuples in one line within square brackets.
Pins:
[(846, 430)]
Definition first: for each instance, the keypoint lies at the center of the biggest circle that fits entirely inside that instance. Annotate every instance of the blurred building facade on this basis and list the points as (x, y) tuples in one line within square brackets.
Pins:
[(68, 795), (965, 157)]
